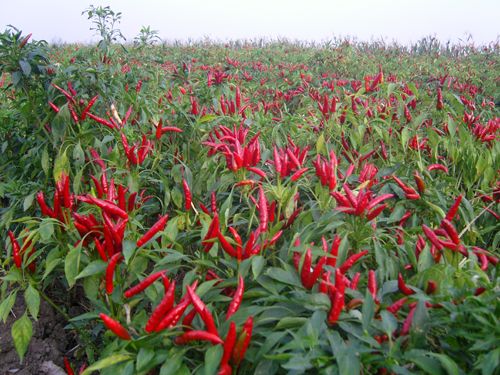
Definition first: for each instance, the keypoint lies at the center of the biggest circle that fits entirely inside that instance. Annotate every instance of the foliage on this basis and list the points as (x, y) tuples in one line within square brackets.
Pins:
[(336, 205)]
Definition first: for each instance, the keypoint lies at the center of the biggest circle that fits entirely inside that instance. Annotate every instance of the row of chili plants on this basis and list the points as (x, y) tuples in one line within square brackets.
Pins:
[(250, 210)]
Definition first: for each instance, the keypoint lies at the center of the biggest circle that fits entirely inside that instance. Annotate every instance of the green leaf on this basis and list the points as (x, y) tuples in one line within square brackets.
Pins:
[(173, 363), (6, 306), (283, 276), (95, 267), (21, 331), (46, 230), (389, 322), (144, 358), (368, 311), (106, 362), (429, 365), (71, 264), (320, 144), (448, 364), (61, 165), (212, 359), (258, 263), (25, 67), (32, 298), (28, 201), (45, 161)]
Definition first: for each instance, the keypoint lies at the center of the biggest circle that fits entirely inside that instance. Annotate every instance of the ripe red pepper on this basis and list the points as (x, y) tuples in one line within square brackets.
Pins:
[(101, 120), (226, 246), (263, 212), (110, 208), (173, 315), (46, 211), (67, 365), (228, 346), (372, 284), (198, 336), (394, 308), (143, 284), (165, 305), (338, 299), (403, 288), (243, 342), (115, 327), (298, 173), (351, 260), (16, 250), (86, 110), (451, 231), (187, 195), (110, 271), (237, 298), (431, 287), (157, 227), (100, 249), (429, 233), (407, 323), (203, 311), (454, 208)]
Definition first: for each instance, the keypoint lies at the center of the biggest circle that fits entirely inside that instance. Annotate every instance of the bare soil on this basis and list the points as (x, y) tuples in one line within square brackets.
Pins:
[(49, 344)]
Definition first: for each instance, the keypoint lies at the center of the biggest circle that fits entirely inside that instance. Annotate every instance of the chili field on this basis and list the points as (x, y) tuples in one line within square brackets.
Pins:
[(252, 207)]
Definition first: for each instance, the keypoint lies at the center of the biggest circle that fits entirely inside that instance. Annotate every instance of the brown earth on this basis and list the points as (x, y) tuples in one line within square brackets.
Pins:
[(48, 346)]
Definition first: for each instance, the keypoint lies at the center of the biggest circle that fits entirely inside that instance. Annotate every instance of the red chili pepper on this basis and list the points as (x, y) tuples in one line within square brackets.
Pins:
[(298, 173), (243, 342), (439, 104), (338, 299), (55, 108), (454, 208), (67, 365), (203, 311), (163, 308), (351, 260), (115, 327), (157, 227), (100, 250), (237, 298), (213, 202), (263, 213), (228, 346), (372, 284), (110, 271), (101, 120), (83, 115), (431, 287), (108, 207), (257, 171), (198, 336), (306, 269), (394, 308), (403, 288), (173, 315), (16, 250), (440, 167), (407, 323), (451, 231), (143, 284), (187, 195), (429, 233), (226, 246), (46, 211), (420, 182)]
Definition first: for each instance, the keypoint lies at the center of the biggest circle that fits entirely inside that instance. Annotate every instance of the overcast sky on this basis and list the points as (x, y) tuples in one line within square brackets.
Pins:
[(319, 20)]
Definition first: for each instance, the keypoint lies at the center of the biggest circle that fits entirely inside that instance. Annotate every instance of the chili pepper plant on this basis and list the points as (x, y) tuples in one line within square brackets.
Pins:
[(237, 209)]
